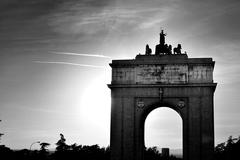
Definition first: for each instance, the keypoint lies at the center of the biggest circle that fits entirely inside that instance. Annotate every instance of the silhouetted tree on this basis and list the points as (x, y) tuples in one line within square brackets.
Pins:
[(228, 150), (151, 153), (61, 144), (220, 148), (43, 154), (73, 147), (44, 146), (1, 134), (5, 152), (62, 149)]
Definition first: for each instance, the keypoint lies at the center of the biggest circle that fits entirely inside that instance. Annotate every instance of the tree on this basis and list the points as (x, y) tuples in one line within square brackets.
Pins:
[(43, 154), (220, 148), (61, 144), (1, 134), (74, 147), (44, 145), (4, 151), (152, 153), (230, 142), (228, 150)]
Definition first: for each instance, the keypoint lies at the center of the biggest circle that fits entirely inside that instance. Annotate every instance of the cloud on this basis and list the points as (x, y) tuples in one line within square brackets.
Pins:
[(80, 54), (78, 18), (15, 10), (68, 63)]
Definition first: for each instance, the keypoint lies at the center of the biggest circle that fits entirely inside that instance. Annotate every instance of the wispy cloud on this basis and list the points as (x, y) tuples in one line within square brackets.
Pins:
[(80, 54), (69, 63), (104, 19)]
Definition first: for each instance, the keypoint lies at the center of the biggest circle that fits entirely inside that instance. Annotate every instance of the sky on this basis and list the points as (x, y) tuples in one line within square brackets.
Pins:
[(55, 55)]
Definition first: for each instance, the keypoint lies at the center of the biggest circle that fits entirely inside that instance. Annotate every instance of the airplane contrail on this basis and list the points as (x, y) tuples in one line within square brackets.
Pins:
[(68, 63), (80, 54)]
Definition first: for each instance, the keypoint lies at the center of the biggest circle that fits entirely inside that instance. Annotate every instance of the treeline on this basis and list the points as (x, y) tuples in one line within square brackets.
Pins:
[(64, 151), (152, 153), (228, 150)]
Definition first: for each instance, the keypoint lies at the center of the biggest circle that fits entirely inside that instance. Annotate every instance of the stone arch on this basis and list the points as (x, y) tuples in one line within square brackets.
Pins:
[(151, 104), (140, 85), (154, 106)]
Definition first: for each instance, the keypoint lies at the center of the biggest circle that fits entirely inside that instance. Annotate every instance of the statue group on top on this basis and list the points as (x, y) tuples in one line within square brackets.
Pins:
[(164, 49)]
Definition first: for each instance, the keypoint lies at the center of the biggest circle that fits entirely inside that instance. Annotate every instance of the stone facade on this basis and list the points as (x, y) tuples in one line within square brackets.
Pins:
[(150, 81), (167, 69)]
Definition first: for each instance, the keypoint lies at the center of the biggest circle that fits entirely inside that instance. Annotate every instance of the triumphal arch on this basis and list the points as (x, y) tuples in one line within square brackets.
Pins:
[(167, 78)]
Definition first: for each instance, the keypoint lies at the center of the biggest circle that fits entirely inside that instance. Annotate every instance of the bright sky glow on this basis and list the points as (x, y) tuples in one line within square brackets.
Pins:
[(164, 125), (95, 103)]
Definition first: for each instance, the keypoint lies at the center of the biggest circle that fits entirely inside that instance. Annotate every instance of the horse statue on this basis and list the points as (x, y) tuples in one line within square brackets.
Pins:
[(177, 50)]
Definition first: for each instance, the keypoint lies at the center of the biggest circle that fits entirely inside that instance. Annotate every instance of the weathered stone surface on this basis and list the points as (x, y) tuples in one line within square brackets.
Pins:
[(148, 82), (162, 69), (161, 74)]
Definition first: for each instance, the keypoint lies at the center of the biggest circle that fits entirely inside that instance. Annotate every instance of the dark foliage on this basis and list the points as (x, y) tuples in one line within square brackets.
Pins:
[(61, 144), (228, 150), (64, 151), (153, 154), (1, 134), (224, 151)]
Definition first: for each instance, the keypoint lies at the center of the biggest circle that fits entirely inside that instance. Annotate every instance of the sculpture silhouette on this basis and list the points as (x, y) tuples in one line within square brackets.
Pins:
[(162, 48), (148, 50), (177, 50)]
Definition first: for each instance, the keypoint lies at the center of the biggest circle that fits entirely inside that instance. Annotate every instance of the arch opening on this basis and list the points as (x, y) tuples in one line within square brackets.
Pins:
[(163, 128)]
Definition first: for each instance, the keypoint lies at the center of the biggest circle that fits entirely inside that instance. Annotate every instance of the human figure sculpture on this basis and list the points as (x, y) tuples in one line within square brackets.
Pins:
[(162, 48), (162, 38), (148, 50)]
